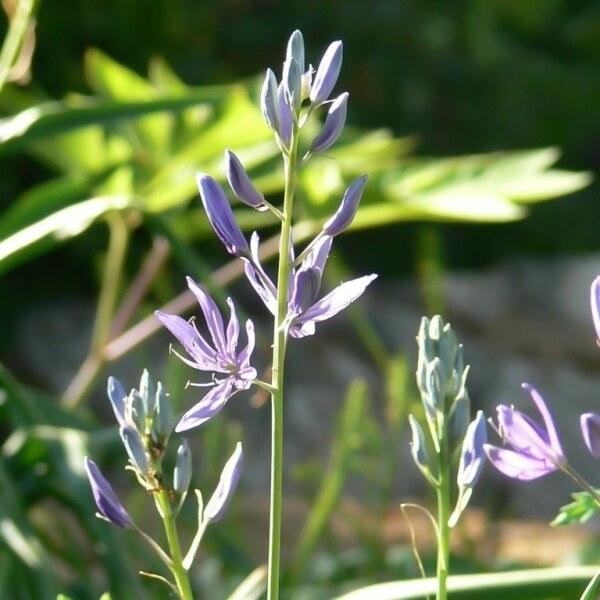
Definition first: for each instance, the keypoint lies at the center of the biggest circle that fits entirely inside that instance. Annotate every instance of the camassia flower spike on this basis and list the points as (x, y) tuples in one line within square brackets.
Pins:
[(304, 310), (221, 357), (534, 450)]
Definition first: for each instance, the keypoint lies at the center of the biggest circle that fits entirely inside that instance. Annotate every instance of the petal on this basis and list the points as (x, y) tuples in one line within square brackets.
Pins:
[(595, 300), (307, 283), (215, 508), (212, 315), (319, 254), (552, 434), (208, 407), (517, 465), (590, 427), (220, 215), (333, 126), (524, 434), (344, 215), (337, 300), (243, 358), (233, 329), (269, 101), (472, 457), (240, 183), (191, 340), (105, 498)]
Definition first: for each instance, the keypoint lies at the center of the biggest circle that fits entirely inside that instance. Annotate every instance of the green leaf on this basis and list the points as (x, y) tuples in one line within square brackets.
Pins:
[(592, 591), (59, 226), (582, 509)]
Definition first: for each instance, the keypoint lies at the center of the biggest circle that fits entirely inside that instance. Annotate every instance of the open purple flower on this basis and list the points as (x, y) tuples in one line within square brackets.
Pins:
[(304, 310), (220, 357), (535, 450), (105, 498)]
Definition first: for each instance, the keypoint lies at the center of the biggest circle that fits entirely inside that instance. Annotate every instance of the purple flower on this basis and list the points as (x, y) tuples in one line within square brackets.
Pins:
[(344, 215), (472, 457), (240, 183), (536, 450), (220, 215), (106, 500), (590, 427), (595, 297), (220, 357), (215, 508), (304, 310), (333, 126), (327, 73)]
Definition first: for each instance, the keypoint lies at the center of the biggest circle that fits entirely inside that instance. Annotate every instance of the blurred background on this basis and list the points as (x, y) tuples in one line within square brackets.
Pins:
[(478, 121)]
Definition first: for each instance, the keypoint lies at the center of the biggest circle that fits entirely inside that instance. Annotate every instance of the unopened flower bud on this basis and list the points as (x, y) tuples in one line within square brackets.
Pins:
[(147, 392), (327, 74), (240, 182), (269, 101), (220, 215), (286, 119), (458, 419), (472, 456), (215, 509), (182, 474), (118, 399), (333, 126), (595, 297), (295, 49), (344, 215), (135, 413), (135, 449), (418, 448), (590, 427), (292, 83), (162, 424), (105, 498)]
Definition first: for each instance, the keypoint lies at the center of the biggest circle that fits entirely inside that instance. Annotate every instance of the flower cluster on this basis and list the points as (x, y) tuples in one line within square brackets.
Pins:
[(534, 450), (441, 377), (145, 426), (285, 106)]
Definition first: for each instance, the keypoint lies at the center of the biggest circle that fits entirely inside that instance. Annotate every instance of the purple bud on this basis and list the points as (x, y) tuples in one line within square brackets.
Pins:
[(182, 474), (347, 209), (117, 396), (106, 500), (230, 476), (295, 49), (327, 74), (596, 305), (292, 82), (135, 449), (240, 182), (286, 119), (590, 427), (472, 457), (334, 123), (269, 101), (220, 215)]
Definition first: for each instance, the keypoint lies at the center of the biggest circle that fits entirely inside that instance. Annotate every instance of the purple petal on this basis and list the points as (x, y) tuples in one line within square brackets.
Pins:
[(590, 427), (215, 508), (517, 465), (327, 73), (208, 407), (220, 215), (233, 329), (246, 372), (347, 210), (105, 498), (286, 120), (211, 312), (333, 126), (307, 284), (240, 182), (117, 396), (269, 101), (319, 254), (552, 434), (337, 300), (595, 298), (472, 457), (195, 345)]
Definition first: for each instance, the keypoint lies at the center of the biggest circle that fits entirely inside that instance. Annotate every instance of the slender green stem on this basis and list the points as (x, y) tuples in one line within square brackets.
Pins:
[(279, 347), (443, 502), (14, 38), (179, 573), (579, 480)]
